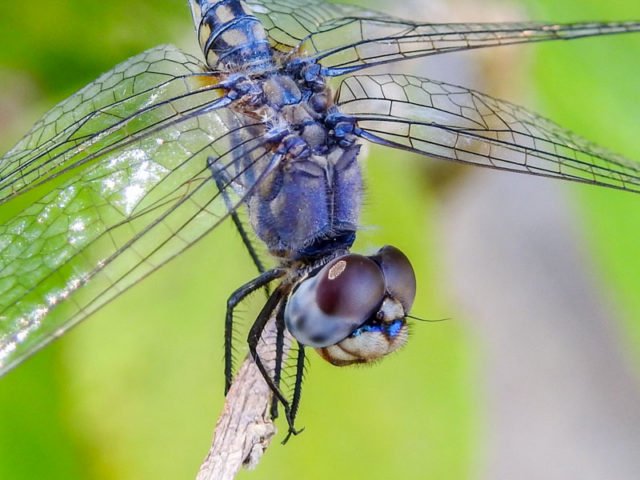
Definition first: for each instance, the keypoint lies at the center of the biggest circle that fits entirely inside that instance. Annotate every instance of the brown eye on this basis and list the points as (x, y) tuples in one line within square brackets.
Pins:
[(399, 278), (328, 307), (386, 330), (354, 309), (350, 286)]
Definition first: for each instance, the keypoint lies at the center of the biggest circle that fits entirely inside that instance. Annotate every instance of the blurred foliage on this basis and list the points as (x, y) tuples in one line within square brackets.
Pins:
[(608, 97), (134, 393)]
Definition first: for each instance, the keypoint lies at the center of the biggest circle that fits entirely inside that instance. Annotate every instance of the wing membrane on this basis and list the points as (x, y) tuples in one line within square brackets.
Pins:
[(454, 123), (290, 22), (147, 85), (96, 200), (346, 39)]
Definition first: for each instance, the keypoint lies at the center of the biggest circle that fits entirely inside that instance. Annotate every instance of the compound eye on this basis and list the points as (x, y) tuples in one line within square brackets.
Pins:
[(350, 287), (386, 331), (399, 277), (326, 308)]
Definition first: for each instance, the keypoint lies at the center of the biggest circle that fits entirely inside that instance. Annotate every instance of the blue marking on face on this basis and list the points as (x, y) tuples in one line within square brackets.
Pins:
[(357, 332), (392, 330)]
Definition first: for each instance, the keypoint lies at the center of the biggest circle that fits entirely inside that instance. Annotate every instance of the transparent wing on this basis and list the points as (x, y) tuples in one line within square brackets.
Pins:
[(454, 123), (346, 38), (110, 185), (103, 108), (290, 22)]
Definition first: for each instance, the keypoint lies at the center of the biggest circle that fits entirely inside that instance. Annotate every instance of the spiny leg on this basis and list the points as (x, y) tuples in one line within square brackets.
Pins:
[(253, 340), (236, 297), (297, 390), (223, 180), (277, 370)]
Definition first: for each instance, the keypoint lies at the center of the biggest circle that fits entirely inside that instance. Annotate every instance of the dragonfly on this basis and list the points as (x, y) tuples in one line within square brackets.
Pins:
[(142, 163)]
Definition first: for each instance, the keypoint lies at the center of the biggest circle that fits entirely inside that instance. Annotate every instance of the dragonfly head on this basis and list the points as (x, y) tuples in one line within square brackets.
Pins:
[(353, 310)]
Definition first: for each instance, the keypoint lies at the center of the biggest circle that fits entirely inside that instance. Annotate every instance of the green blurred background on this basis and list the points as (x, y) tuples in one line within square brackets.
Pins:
[(135, 391)]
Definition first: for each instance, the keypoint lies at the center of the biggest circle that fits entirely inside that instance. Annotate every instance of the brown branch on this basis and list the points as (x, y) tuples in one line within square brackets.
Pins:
[(244, 429)]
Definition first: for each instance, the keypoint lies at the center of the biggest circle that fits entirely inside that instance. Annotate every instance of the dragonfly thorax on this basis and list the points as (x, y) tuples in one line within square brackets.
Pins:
[(308, 203)]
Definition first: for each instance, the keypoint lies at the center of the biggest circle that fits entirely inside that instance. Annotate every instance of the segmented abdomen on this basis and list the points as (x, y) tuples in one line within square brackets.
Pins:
[(230, 37)]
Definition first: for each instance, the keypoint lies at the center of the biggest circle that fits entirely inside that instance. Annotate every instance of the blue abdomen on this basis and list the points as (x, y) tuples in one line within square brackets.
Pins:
[(230, 37)]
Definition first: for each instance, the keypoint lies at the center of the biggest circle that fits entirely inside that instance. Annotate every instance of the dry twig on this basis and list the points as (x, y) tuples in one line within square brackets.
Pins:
[(244, 429)]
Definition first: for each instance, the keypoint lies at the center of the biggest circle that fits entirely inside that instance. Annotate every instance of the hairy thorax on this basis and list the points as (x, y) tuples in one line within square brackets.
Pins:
[(308, 202)]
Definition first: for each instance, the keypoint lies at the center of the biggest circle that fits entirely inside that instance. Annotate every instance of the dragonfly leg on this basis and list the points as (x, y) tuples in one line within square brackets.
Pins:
[(297, 390), (255, 334), (222, 179), (277, 368), (236, 298)]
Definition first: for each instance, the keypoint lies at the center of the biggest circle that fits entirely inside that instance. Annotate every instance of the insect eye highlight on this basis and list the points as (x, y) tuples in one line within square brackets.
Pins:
[(351, 286)]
